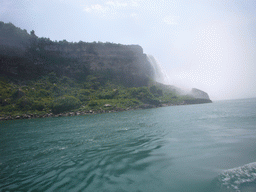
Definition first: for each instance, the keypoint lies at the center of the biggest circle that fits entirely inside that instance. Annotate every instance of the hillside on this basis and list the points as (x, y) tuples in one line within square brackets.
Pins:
[(40, 77), (27, 57)]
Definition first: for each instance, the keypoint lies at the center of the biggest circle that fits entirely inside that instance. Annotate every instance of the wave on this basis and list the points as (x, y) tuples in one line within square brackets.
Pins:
[(238, 179)]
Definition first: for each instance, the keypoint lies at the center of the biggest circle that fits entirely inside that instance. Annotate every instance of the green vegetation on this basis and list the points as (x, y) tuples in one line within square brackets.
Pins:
[(58, 95), (39, 77)]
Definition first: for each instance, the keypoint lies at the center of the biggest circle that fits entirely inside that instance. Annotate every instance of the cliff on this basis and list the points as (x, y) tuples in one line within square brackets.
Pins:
[(126, 63), (42, 78), (25, 56)]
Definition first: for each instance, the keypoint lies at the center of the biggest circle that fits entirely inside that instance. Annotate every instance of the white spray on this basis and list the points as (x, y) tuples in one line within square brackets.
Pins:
[(160, 74)]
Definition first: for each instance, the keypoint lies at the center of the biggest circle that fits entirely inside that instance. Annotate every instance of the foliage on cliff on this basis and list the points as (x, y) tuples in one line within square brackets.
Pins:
[(39, 76), (51, 94)]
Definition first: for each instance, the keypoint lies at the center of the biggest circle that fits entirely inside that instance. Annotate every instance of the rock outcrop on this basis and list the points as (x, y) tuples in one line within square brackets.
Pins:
[(199, 94)]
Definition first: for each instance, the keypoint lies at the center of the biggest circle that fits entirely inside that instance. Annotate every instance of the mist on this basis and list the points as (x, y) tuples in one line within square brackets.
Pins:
[(209, 45)]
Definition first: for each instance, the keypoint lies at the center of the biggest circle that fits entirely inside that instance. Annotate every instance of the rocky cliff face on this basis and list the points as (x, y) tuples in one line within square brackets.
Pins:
[(25, 56), (119, 59), (199, 94)]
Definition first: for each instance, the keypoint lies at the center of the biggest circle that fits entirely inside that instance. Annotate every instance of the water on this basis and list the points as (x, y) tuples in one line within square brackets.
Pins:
[(160, 74), (208, 147)]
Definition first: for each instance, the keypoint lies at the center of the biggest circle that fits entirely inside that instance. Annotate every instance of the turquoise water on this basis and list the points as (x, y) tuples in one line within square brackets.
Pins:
[(207, 147)]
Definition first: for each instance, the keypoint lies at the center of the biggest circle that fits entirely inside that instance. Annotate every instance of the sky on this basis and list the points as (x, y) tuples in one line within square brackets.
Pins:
[(206, 44)]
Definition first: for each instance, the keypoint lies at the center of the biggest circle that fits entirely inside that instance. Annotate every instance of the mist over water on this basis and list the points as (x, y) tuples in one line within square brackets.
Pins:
[(160, 74), (196, 148)]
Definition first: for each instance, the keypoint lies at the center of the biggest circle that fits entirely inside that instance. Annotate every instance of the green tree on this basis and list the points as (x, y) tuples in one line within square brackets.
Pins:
[(65, 103)]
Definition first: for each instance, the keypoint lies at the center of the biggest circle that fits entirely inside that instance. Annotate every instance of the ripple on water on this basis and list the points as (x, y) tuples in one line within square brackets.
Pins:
[(166, 149)]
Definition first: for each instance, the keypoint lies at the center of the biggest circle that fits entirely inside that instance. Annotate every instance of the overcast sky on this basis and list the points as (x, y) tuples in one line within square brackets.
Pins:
[(207, 44)]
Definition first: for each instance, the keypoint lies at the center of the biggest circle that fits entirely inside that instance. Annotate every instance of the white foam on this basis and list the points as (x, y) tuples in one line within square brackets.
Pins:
[(233, 178)]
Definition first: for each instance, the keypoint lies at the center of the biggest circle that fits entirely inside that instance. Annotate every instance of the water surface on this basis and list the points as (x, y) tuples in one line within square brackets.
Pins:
[(207, 147)]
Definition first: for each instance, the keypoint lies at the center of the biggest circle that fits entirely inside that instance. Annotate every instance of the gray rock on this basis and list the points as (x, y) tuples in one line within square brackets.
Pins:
[(199, 94)]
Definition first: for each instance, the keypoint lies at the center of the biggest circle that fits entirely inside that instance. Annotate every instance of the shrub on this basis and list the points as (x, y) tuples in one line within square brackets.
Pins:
[(93, 103), (155, 91), (37, 105), (107, 95), (52, 77), (85, 92), (144, 95), (17, 94), (65, 103), (43, 93), (24, 103)]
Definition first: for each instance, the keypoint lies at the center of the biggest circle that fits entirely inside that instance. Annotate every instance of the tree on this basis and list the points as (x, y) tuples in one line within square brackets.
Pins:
[(32, 33)]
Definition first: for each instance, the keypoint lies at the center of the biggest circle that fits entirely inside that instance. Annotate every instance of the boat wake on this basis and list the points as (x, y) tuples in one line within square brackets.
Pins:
[(238, 179)]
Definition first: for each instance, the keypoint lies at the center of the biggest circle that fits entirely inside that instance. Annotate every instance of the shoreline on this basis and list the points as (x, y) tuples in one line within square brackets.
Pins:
[(79, 113), (66, 114)]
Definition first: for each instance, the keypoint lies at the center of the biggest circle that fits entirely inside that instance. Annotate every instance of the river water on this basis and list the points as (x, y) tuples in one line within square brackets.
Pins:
[(206, 147)]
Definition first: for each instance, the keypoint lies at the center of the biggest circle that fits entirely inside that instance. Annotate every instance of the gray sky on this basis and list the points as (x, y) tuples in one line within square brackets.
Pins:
[(207, 44)]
